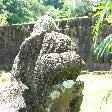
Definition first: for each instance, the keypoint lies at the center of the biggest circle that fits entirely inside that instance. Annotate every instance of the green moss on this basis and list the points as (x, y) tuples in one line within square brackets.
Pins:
[(70, 72), (65, 98)]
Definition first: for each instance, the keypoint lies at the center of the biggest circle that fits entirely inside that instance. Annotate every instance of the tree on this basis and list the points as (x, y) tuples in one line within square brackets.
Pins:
[(78, 7), (105, 6), (57, 4), (105, 48), (19, 11), (16, 10)]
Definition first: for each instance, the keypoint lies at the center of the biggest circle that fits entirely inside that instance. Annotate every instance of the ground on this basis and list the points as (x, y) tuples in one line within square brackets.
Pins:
[(95, 90)]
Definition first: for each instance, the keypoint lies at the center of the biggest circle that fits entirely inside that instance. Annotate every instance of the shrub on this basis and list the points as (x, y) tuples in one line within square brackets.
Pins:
[(3, 20)]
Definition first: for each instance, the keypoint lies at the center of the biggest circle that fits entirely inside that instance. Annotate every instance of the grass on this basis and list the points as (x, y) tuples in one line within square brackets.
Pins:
[(97, 91), (4, 77)]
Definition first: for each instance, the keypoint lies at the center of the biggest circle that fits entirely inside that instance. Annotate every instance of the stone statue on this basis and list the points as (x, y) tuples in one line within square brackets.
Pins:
[(46, 59)]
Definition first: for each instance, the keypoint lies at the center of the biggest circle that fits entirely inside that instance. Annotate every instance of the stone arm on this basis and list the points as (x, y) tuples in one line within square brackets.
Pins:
[(25, 60)]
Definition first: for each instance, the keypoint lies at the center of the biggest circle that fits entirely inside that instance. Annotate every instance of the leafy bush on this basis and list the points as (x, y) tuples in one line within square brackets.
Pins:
[(106, 46), (54, 12), (57, 4), (78, 7), (20, 11), (3, 20), (104, 11)]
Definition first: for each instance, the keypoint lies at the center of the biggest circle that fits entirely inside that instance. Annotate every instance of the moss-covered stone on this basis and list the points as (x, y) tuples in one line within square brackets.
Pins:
[(68, 98)]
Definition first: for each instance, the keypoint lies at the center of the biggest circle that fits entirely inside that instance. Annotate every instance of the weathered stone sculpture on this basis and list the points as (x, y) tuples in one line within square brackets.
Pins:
[(66, 97), (11, 99), (45, 59)]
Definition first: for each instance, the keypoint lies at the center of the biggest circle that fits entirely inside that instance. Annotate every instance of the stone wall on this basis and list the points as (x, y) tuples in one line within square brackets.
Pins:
[(11, 38), (79, 29)]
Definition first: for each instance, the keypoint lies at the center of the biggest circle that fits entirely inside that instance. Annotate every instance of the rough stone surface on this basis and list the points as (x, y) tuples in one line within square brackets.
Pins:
[(44, 24), (79, 29), (65, 97), (11, 99), (45, 59)]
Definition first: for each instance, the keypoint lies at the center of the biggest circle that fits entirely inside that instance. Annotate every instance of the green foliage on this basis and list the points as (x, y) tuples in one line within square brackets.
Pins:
[(82, 8), (19, 11), (36, 9), (3, 20), (104, 8), (78, 7), (57, 4), (104, 48), (16, 10), (70, 8), (109, 18), (106, 99), (56, 13), (108, 96)]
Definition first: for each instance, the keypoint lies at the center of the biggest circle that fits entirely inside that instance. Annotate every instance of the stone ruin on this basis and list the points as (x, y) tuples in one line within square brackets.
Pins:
[(45, 61)]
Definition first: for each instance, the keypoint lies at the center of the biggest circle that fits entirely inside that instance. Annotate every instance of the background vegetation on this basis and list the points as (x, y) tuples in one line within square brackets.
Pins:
[(105, 47), (20, 11)]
